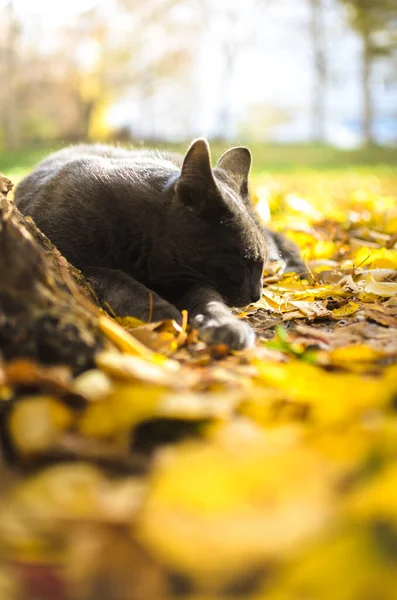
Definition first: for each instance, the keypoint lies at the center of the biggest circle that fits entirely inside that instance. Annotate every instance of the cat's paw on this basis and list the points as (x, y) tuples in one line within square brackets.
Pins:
[(232, 332)]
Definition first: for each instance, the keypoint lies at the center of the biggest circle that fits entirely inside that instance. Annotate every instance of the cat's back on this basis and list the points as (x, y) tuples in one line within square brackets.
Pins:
[(87, 168)]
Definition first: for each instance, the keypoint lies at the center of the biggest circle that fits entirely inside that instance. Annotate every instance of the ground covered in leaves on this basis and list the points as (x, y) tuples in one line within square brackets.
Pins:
[(177, 471)]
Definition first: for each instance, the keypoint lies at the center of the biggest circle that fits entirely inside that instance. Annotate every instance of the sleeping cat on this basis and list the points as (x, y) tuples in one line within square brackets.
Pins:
[(155, 233)]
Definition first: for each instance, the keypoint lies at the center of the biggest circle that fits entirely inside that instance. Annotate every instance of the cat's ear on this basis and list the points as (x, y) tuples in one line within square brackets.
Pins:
[(196, 184), (236, 163), (197, 162)]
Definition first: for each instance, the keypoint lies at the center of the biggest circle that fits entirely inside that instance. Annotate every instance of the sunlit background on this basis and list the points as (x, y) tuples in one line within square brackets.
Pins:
[(279, 71)]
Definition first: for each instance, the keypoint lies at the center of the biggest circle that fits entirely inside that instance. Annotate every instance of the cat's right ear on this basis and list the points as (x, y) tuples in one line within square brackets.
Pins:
[(196, 183), (236, 163)]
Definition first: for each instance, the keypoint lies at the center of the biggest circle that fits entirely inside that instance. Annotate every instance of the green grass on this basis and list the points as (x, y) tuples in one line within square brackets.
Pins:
[(324, 158), (267, 158), (277, 158), (17, 163)]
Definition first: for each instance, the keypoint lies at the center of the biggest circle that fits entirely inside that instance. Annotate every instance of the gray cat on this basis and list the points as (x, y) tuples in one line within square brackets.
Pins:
[(157, 233)]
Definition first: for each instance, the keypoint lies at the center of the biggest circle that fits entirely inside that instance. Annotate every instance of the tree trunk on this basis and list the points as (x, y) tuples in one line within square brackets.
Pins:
[(87, 110), (368, 107), (47, 309), (319, 72)]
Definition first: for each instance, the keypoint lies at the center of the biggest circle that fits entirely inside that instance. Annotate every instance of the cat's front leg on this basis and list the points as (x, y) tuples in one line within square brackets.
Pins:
[(128, 297), (214, 321)]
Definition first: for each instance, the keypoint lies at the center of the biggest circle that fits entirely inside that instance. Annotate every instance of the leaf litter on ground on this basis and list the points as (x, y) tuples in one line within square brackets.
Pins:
[(174, 470)]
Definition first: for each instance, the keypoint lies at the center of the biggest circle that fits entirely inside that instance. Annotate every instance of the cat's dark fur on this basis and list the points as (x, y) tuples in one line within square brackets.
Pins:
[(155, 233)]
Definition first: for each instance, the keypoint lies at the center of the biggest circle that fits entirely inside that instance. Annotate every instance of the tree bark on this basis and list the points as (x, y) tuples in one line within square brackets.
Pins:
[(47, 309)]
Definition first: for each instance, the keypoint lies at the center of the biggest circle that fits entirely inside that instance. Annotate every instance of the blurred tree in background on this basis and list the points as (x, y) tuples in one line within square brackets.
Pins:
[(65, 93), (376, 23), (9, 89), (174, 69), (317, 33)]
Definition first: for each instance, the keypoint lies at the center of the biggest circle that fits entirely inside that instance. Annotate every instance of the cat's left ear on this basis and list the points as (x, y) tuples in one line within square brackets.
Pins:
[(196, 186), (236, 163)]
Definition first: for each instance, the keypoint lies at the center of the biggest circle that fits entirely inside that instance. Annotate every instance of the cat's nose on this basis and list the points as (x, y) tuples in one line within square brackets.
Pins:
[(256, 292)]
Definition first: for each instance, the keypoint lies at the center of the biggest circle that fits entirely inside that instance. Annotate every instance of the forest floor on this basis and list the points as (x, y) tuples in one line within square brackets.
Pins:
[(267, 474)]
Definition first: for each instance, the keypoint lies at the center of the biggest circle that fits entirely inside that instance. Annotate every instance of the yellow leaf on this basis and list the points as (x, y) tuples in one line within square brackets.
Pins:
[(377, 498), (195, 405), (93, 385), (37, 422), (381, 288), (123, 340), (346, 310), (381, 258), (355, 353), (127, 367), (345, 565), (125, 406), (238, 507), (331, 397)]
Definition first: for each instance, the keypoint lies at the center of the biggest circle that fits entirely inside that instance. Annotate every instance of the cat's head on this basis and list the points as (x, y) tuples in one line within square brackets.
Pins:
[(222, 238)]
